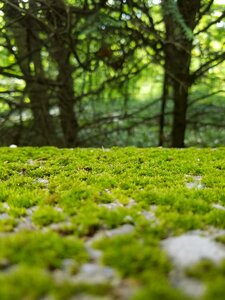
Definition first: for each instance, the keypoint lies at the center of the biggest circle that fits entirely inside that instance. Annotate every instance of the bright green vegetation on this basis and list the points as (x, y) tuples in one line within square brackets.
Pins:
[(53, 201)]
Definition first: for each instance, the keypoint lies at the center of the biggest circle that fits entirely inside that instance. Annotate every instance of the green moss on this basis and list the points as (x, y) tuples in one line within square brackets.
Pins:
[(221, 239), (216, 290), (216, 217), (158, 288), (3, 209), (41, 249), (80, 182), (7, 225), (25, 283), (68, 290), (17, 211), (135, 259), (45, 215), (212, 275), (24, 197)]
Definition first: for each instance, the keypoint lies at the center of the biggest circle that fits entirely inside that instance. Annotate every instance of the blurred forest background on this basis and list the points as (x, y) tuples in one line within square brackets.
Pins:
[(108, 72)]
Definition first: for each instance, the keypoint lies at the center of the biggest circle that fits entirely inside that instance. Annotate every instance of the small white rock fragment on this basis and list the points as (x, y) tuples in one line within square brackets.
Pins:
[(112, 205), (218, 206), (195, 184), (69, 266), (95, 274), (4, 216), (188, 249), (94, 254), (25, 224), (154, 207), (59, 209), (6, 205), (131, 203), (128, 219), (124, 229), (149, 216), (189, 286), (31, 162), (31, 210), (41, 180)]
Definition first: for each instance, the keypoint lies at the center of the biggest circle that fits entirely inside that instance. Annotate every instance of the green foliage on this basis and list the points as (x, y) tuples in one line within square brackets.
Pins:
[(170, 8), (115, 71)]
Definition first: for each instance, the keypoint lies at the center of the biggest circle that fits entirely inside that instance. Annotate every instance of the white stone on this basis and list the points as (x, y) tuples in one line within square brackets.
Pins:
[(188, 249), (95, 255), (6, 205), (218, 206), (124, 229), (41, 180), (149, 215), (131, 203), (95, 274), (189, 286), (31, 162), (195, 184), (112, 205), (4, 216)]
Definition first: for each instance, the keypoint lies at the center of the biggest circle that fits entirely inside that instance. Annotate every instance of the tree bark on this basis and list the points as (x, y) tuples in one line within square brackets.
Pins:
[(28, 44), (179, 115), (177, 50), (162, 110), (57, 14), (65, 95)]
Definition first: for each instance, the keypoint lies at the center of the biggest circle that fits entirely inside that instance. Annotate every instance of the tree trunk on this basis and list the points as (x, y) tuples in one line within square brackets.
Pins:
[(179, 115), (57, 15), (66, 100), (162, 110), (26, 35), (177, 50)]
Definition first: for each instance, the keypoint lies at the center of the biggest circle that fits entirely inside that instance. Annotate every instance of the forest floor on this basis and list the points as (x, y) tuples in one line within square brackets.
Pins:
[(104, 224)]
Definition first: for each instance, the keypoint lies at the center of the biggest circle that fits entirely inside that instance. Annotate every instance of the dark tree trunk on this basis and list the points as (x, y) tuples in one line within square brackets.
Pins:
[(42, 123), (26, 35), (57, 14), (177, 49), (162, 110), (179, 115), (66, 100)]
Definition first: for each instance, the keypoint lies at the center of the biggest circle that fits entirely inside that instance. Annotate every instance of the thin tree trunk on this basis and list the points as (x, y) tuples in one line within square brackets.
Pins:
[(162, 110), (179, 115)]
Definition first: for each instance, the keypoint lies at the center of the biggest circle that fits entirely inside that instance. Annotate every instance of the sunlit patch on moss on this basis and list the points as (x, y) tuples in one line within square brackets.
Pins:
[(41, 249), (46, 215)]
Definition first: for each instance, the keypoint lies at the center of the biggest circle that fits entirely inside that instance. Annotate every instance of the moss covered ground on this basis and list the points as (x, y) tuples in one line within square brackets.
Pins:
[(89, 223)]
